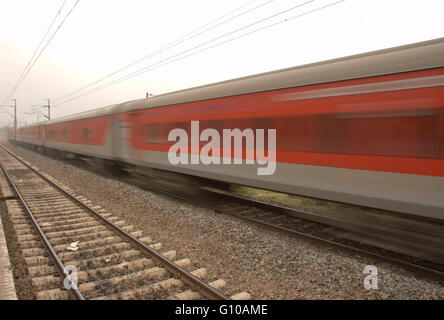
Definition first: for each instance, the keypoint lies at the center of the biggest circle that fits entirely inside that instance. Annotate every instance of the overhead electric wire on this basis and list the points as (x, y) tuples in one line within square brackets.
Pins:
[(218, 44), (28, 68), (22, 75), (6, 110), (50, 39), (172, 44), (178, 56), (143, 70), (182, 52)]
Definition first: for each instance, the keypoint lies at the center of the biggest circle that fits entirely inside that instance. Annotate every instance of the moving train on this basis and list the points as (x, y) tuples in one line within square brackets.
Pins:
[(366, 129)]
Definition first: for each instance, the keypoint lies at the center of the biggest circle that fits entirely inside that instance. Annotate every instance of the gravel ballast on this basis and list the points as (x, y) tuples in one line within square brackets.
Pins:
[(266, 264)]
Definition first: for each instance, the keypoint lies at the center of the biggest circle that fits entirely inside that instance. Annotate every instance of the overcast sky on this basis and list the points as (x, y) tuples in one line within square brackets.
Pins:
[(102, 36)]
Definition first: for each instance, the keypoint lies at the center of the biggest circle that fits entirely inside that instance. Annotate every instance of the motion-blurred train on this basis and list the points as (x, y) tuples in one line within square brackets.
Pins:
[(366, 129)]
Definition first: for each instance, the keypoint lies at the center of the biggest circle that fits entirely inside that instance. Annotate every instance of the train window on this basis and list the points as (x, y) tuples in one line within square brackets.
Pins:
[(334, 136), (152, 133), (64, 134), (51, 134), (86, 134), (405, 133), (157, 133)]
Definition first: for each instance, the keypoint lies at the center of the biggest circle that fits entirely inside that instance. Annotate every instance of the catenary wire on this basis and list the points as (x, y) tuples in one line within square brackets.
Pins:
[(178, 56), (28, 68), (21, 77), (172, 44), (135, 73)]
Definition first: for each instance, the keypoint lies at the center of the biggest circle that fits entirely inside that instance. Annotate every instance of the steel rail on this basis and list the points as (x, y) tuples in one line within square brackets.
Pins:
[(355, 227), (431, 273), (427, 272), (54, 256), (197, 284)]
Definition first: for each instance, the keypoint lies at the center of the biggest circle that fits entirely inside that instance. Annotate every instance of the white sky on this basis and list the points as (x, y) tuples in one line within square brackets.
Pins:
[(101, 36)]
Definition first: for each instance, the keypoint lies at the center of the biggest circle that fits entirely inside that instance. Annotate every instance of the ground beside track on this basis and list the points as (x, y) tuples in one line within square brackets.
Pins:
[(268, 265), (327, 208), (22, 280)]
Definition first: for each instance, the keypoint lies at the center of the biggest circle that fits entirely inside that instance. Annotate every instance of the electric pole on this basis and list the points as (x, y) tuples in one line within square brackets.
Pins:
[(48, 105), (15, 118), (49, 109)]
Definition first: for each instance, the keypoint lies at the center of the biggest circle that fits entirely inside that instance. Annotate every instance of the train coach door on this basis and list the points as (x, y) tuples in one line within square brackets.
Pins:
[(42, 136), (119, 138)]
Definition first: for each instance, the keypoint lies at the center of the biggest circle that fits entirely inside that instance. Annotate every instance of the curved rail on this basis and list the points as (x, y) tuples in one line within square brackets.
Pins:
[(298, 214), (307, 216), (55, 258), (203, 288)]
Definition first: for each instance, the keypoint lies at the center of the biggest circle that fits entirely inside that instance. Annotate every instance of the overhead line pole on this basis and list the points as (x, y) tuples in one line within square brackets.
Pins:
[(49, 109), (15, 118), (48, 105)]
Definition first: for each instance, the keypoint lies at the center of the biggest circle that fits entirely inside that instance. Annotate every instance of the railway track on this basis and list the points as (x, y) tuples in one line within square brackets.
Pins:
[(76, 250), (411, 246), (415, 245)]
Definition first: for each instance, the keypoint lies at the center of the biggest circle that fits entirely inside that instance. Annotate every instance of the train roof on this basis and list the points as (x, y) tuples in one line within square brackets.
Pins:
[(82, 115), (87, 114), (411, 57)]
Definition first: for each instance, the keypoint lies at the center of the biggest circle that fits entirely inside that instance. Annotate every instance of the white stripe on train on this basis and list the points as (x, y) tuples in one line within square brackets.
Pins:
[(423, 82)]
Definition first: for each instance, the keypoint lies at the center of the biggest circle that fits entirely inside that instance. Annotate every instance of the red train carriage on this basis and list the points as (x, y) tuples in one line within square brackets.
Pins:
[(390, 131), (366, 129), (84, 134), (29, 134)]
